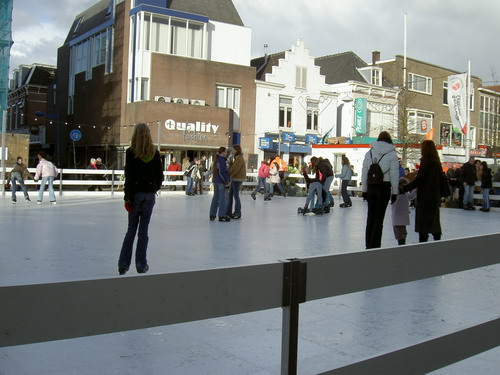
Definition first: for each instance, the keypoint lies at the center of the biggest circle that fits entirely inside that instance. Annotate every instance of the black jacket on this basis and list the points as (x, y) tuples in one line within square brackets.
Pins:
[(486, 179), (142, 176), (468, 173)]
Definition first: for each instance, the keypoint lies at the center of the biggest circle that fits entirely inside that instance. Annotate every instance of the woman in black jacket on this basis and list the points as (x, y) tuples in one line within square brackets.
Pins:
[(428, 185), (143, 178)]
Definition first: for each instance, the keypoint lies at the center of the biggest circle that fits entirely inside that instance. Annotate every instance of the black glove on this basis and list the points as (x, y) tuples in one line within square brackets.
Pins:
[(393, 198), (365, 196)]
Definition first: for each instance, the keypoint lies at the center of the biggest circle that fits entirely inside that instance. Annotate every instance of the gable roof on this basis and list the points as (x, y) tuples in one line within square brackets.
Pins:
[(341, 67), (89, 19), (264, 64)]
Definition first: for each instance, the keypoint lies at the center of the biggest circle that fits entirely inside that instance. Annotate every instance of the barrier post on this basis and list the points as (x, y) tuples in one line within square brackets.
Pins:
[(60, 181), (294, 293), (113, 182)]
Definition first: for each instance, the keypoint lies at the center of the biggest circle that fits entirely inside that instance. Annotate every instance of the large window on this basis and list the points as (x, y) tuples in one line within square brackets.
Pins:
[(445, 93), (312, 115), (420, 83), (228, 97), (285, 114), (419, 122), (174, 36), (489, 120), (449, 136)]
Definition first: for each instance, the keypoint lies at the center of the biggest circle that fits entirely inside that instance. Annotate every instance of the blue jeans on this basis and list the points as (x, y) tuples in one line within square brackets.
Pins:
[(261, 181), (486, 198), (189, 186), (315, 187), (326, 188), (468, 195), (345, 196), (140, 216), (234, 192), (50, 180), (271, 188), (218, 200), (16, 176)]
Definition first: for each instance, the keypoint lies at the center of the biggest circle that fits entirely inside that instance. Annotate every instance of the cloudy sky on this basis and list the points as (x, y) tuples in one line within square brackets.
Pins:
[(447, 33)]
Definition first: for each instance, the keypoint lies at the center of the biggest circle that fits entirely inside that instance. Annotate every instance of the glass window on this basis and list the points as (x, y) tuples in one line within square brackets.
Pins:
[(195, 40), (445, 93), (179, 35), (301, 77), (228, 97), (285, 112), (312, 115), (419, 122), (159, 35), (376, 77), (420, 83)]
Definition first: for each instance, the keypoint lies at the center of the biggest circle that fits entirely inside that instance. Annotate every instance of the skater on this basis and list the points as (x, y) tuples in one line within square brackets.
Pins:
[(19, 173), (261, 178), (190, 174), (313, 187), (238, 174), (401, 212), (47, 172), (428, 186), (274, 178), (379, 192), (221, 183), (345, 176), (143, 178)]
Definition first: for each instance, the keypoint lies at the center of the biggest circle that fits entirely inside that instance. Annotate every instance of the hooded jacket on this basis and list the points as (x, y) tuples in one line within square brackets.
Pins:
[(388, 163)]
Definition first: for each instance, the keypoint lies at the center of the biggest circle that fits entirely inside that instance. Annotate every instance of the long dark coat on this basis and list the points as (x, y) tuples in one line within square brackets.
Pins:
[(428, 196)]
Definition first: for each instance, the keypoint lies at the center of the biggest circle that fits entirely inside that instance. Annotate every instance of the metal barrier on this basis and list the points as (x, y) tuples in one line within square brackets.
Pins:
[(46, 312)]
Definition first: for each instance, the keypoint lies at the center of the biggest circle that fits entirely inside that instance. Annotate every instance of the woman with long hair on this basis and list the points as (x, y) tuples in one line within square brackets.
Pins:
[(486, 185), (427, 181), (220, 181), (345, 176), (143, 178), (238, 174)]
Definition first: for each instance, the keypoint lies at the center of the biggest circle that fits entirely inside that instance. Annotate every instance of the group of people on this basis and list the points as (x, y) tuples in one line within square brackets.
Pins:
[(96, 164), (272, 171), (462, 183), (195, 172), (46, 171)]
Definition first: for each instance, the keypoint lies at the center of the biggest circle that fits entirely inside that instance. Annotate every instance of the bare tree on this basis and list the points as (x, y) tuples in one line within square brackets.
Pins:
[(406, 134)]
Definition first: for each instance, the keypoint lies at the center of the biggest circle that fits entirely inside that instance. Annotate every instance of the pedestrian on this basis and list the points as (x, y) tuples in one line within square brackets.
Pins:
[(452, 177), (486, 185), (237, 174), (468, 176), (92, 177), (401, 212), (262, 175), (101, 167), (143, 178), (174, 167), (427, 183), (47, 171), (198, 178), (282, 166), (345, 176), (496, 189), (19, 173), (378, 195), (274, 178), (190, 174), (221, 183)]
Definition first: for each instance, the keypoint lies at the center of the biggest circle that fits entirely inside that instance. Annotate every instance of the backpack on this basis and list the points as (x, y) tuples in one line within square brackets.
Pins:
[(375, 174)]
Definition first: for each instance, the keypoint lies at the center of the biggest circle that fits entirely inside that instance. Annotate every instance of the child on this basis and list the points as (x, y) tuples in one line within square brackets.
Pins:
[(313, 186), (401, 212)]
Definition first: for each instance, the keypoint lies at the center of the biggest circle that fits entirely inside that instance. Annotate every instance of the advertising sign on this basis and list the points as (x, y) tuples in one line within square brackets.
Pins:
[(264, 143), (360, 115), (457, 100), (311, 139), (287, 137)]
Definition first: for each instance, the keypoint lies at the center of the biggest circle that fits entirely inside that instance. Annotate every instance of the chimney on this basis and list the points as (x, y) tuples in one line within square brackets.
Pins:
[(375, 57)]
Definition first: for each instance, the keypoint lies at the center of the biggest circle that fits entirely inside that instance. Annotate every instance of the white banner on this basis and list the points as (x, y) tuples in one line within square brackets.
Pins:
[(457, 101)]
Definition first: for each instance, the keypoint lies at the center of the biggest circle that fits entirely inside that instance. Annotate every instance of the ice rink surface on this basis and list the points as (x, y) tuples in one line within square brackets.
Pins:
[(80, 239)]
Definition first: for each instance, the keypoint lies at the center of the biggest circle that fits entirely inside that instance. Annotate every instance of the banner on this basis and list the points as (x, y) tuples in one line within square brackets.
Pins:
[(457, 100), (360, 115)]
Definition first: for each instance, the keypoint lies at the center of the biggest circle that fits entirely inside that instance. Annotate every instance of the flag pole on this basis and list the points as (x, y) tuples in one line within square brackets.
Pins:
[(468, 139)]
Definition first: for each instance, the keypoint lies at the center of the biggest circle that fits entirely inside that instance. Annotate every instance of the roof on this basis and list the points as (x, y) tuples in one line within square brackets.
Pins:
[(493, 88), (265, 64), (216, 10), (341, 67)]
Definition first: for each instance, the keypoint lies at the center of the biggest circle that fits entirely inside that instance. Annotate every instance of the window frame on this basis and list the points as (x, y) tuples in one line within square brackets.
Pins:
[(285, 114), (412, 81)]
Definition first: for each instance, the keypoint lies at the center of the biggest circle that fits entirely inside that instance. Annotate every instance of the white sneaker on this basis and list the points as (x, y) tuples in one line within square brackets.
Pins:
[(38, 202), (53, 202), (13, 201)]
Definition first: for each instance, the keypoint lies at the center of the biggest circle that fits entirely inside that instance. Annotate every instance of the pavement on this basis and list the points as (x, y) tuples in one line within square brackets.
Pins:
[(80, 239)]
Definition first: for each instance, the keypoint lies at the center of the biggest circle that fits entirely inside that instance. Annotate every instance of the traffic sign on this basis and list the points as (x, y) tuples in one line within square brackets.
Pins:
[(75, 135)]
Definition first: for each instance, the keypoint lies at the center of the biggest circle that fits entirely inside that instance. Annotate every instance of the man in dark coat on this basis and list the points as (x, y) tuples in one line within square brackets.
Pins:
[(468, 177)]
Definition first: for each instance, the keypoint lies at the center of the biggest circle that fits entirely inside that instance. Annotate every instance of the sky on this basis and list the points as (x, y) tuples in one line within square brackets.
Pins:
[(447, 33)]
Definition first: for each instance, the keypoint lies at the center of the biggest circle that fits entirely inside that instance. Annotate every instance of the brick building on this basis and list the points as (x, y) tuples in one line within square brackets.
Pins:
[(183, 67)]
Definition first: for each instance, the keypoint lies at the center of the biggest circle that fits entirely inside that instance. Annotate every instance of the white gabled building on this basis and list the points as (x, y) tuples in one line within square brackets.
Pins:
[(294, 105)]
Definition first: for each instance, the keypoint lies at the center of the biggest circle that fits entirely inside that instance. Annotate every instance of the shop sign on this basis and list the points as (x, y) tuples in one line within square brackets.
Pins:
[(198, 126), (311, 139), (360, 115), (265, 143), (287, 137), (478, 152)]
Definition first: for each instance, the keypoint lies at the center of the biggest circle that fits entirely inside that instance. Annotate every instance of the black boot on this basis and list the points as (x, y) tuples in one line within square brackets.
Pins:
[(402, 242)]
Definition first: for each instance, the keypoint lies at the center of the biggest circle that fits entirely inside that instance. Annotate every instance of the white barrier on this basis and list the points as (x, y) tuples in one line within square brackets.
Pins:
[(45, 312)]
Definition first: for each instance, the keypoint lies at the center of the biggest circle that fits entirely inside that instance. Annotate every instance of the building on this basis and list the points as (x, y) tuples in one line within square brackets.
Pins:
[(31, 106), (424, 104), (488, 135), (181, 66), (295, 105)]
